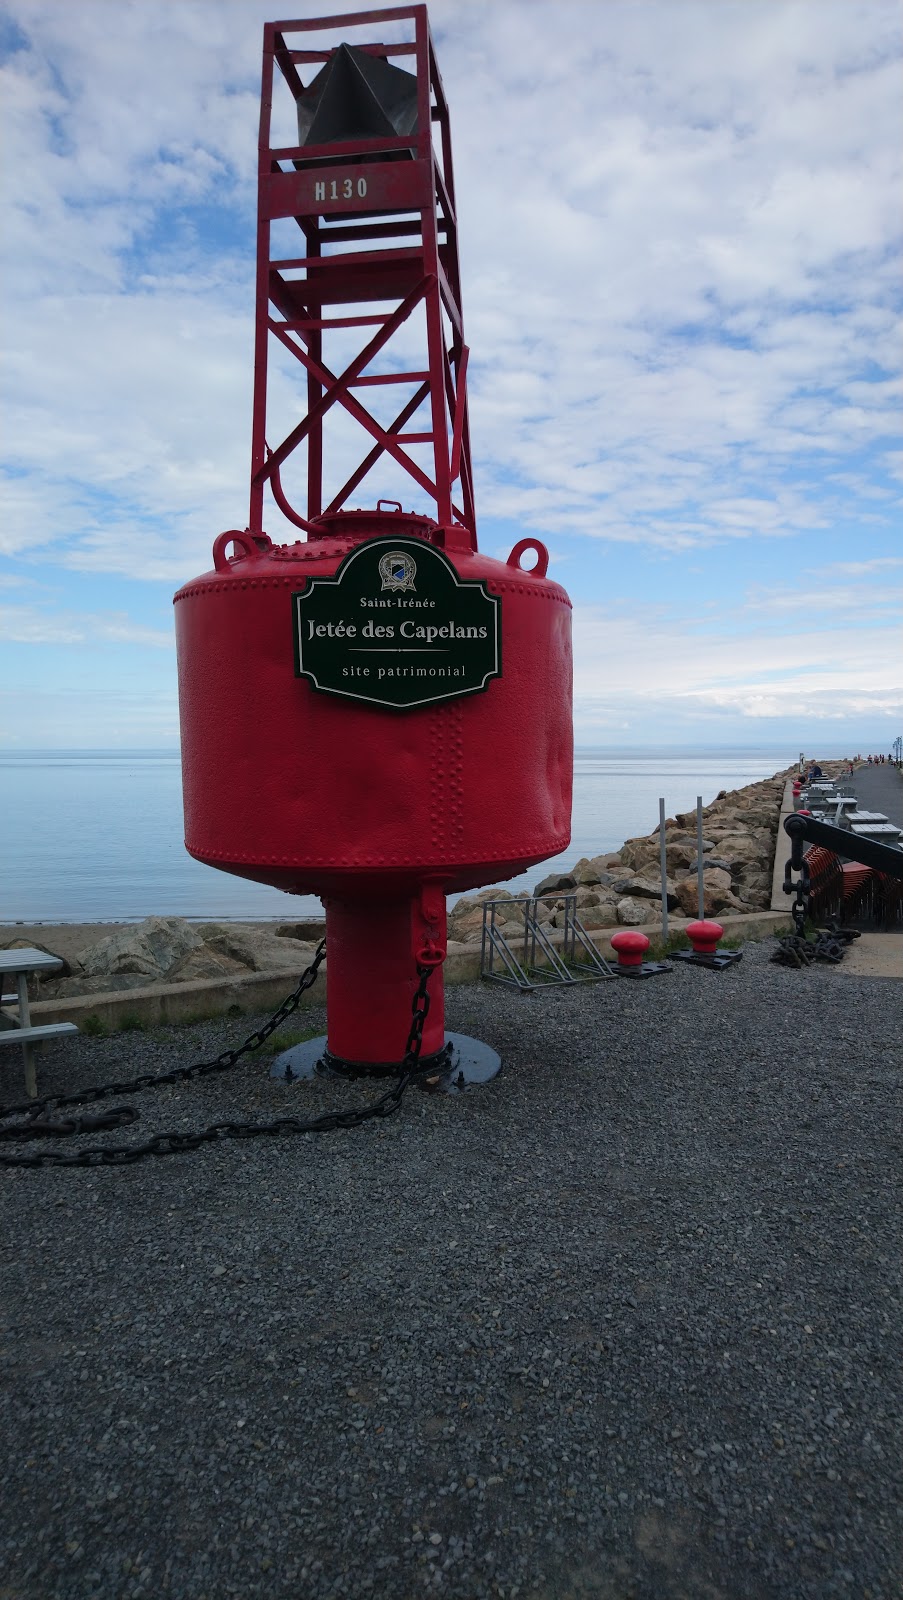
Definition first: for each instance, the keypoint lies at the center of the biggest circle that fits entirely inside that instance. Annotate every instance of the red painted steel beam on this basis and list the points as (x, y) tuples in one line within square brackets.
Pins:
[(362, 415), (370, 460), (311, 56), (338, 386), (349, 19)]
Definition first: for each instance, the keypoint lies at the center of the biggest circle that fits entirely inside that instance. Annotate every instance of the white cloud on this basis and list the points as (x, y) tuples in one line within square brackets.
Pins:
[(680, 231), (792, 660), (33, 625)]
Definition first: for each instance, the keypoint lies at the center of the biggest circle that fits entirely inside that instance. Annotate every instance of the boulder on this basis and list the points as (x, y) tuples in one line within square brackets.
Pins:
[(678, 855), (466, 927), (755, 899), (555, 883), (648, 889), (313, 928), (586, 896), (736, 848), (751, 878), (716, 878), (688, 901), (202, 964), (634, 851), (257, 948), (464, 912), (758, 816), (606, 862), (716, 893), (149, 949), (597, 917), (103, 983), (465, 920), (633, 913), (731, 902), (585, 871), (686, 819)]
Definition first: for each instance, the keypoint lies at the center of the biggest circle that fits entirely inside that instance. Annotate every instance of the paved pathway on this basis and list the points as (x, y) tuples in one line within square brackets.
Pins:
[(880, 789)]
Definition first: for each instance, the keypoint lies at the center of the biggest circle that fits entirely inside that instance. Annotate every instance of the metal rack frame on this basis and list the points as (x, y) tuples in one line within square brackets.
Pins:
[(561, 965)]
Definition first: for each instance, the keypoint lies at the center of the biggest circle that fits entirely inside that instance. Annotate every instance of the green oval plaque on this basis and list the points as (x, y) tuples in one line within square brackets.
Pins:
[(396, 626)]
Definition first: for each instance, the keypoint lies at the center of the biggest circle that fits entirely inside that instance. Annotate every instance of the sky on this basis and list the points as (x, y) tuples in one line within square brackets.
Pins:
[(680, 246)]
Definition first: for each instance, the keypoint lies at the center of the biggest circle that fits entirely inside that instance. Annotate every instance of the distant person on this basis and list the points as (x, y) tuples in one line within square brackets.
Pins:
[(814, 772)]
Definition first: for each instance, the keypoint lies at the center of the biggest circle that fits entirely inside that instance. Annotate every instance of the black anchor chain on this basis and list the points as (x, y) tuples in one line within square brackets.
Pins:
[(36, 1125)]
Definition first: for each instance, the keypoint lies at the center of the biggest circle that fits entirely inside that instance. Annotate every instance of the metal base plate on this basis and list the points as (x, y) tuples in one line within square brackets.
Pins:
[(462, 1063), (717, 959), (649, 969)]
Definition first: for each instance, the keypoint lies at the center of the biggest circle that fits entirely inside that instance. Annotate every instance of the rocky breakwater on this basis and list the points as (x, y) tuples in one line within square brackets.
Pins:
[(168, 950), (624, 887)]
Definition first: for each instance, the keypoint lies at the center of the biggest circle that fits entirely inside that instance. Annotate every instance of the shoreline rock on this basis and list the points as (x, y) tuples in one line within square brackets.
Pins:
[(167, 950), (739, 837)]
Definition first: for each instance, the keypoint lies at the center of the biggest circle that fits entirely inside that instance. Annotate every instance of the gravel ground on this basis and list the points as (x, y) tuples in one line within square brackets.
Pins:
[(624, 1323)]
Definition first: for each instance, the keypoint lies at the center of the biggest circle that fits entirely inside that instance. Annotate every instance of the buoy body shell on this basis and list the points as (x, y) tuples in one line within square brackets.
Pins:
[(317, 794)]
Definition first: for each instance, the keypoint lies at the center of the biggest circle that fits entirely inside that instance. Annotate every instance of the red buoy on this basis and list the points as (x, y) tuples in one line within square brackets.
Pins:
[(377, 714)]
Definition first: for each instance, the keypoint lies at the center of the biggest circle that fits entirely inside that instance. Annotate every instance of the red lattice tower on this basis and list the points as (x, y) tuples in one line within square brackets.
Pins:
[(371, 190)]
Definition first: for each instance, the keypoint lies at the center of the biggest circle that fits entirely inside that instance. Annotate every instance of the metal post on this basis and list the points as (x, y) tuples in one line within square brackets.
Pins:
[(700, 886), (664, 867)]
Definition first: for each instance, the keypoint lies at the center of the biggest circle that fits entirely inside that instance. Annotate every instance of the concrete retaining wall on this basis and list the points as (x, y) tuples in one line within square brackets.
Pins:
[(264, 991)]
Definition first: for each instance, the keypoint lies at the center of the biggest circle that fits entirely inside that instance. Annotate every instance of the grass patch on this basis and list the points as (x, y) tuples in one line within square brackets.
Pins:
[(277, 1042), (130, 1023), (660, 950), (94, 1027)]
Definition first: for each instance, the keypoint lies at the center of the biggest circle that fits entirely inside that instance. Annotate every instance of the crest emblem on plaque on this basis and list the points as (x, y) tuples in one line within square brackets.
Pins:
[(397, 570)]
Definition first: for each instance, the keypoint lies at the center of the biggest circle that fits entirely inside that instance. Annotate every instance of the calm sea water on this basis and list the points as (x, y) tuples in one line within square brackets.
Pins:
[(97, 834)]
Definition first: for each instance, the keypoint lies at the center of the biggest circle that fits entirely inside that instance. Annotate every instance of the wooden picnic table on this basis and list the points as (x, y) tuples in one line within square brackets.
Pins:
[(18, 1029)]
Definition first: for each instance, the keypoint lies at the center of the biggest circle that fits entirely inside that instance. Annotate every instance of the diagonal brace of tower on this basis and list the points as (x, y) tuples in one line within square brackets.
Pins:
[(372, 193)]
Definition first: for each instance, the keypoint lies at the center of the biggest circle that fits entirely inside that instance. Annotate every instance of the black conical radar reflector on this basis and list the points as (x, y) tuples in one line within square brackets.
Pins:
[(357, 96)]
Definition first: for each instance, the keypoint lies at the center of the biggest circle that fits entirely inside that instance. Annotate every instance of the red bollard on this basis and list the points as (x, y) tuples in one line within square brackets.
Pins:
[(630, 948), (704, 937)]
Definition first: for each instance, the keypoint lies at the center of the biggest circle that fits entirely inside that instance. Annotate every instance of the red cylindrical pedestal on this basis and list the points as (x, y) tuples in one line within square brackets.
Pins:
[(372, 980), (630, 948), (704, 937)]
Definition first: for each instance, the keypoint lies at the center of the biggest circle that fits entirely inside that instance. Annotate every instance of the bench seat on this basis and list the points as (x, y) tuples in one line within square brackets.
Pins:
[(43, 1030)]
